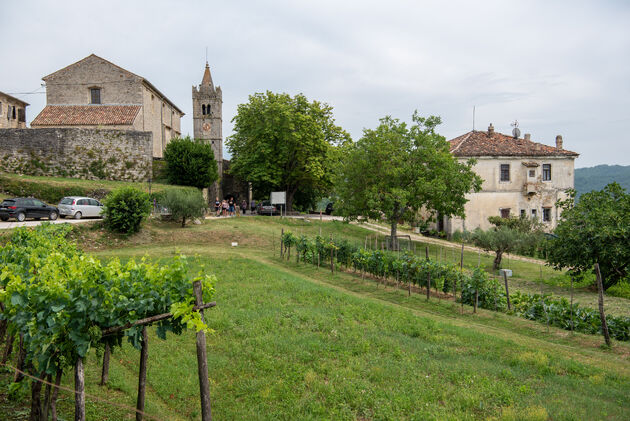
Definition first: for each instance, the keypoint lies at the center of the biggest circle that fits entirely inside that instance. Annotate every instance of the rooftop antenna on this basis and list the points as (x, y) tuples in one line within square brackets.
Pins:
[(516, 132), (473, 118)]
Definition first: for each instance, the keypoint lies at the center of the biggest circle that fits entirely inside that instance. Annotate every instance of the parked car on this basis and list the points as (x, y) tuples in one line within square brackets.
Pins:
[(80, 207), (21, 208), (329, 208), (266, 208)]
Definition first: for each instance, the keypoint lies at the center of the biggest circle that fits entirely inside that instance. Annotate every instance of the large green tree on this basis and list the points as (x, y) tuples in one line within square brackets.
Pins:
[(396, 170), (190, 163), (285, 143), (596, 229)]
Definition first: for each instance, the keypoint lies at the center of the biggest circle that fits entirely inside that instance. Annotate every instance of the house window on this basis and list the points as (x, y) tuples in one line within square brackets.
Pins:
[(21, 115), (546, 175), (13, 112), (546, 214), (523, 213), (95, 95), (532, 173), (505, 172), (534, 213), (0, 108), (505, 213)]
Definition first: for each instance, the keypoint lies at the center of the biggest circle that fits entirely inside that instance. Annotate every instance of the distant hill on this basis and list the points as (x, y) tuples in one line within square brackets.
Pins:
[(596, 178)]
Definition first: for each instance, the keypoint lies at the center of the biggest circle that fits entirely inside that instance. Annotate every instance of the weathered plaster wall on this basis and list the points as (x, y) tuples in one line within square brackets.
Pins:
[(78, 153)]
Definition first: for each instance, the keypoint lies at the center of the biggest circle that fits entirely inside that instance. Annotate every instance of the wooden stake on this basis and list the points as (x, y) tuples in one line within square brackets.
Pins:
[(426, 252), (428, 285), (53, 399), (542, 299), (46, 408), (600, 290), (79, 391), (202, 360), (507, 291), (20, 361), (142, 375), (36, 399), (105, 370), (476, 300), (282, 243), (571, 304)]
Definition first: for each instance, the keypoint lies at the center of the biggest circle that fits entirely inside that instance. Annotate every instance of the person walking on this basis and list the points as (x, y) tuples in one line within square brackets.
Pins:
[(224, 207), (231, 206), (244, 206), (217, 206)]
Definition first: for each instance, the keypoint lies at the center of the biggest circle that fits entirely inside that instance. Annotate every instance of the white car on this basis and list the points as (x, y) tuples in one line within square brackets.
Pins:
[(80, 207)]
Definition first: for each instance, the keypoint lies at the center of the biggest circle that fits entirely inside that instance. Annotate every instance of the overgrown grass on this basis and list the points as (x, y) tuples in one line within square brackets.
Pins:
[(295, 342)]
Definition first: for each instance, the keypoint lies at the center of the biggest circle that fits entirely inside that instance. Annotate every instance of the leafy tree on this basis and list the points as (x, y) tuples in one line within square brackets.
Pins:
[(190, 163), (184, 204), (395, 170), (596, 229), (503, 239), (125, 209), (285, 143)]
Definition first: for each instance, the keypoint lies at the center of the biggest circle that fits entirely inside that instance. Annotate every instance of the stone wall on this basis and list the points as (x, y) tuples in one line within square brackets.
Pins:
[(78, 153)]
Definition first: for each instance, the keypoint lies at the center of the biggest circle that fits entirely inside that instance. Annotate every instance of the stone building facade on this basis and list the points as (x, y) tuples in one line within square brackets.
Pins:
[(95, 93), (12, 112), (520, 177), (208, 122)]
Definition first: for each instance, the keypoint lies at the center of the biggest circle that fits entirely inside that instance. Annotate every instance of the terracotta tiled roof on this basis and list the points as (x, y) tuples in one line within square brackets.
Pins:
[(478, 143), (86, 115)]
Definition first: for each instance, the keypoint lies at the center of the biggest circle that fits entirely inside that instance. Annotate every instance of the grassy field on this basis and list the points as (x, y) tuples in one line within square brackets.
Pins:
[(294, 342)]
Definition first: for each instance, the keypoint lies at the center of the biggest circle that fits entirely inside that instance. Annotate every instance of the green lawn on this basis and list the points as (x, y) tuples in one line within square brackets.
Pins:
[(295, 342), (91, 184)]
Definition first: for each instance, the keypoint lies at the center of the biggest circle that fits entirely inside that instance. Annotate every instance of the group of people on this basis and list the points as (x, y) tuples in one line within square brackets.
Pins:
[(229, 207)]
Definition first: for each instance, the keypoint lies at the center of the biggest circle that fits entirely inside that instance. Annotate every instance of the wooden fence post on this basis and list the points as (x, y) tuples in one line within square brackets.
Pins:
[(202, 360), (79, 391), (105, 370), (507, 291), (47, 391), (55, 392), (282, 243), (571, 304), (600, 290), (142, 375)]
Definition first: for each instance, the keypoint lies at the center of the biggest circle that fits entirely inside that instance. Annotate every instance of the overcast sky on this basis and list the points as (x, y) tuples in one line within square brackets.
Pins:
[(558, 67)]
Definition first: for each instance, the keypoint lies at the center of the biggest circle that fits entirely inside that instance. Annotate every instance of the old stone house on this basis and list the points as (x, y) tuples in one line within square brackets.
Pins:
[(12, 112), (520, 177), (95, 93)]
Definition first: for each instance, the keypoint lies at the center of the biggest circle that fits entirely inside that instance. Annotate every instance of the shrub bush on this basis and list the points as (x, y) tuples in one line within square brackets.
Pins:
[(190, 163), (125, 209), (622, 289), (184, 204)]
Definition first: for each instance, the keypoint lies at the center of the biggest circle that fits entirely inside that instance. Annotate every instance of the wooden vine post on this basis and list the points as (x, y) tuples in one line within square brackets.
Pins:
[(600, 290), (202, 359), (105, 371), (281, 242), (507, 291), (79, 391), (142, 375)]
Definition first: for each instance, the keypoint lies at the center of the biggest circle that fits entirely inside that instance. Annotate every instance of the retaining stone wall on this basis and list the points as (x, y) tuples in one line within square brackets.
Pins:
[(79, 153)]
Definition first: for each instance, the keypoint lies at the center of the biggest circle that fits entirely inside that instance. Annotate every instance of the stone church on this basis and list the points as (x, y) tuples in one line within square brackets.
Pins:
[(94, 93)]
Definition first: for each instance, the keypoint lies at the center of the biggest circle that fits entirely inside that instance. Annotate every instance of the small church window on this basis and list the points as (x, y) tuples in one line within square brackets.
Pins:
[(95, 95), (208, 109), (203, 109)]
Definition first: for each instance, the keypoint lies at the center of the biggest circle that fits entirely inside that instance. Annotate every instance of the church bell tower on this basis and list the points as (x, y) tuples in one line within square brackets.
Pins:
[(208, 122)]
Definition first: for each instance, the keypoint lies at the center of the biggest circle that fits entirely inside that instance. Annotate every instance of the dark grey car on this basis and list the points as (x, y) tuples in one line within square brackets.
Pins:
[(21, 208)]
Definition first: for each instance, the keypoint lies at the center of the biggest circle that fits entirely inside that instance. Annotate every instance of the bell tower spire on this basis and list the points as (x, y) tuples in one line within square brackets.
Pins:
[(208, 121)]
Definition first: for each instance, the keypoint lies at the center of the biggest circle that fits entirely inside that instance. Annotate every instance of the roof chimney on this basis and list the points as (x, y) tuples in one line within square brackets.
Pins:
[(528, 136), (491, 129), (559, 142)]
